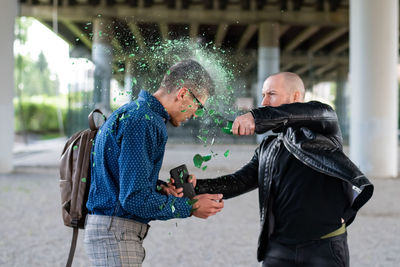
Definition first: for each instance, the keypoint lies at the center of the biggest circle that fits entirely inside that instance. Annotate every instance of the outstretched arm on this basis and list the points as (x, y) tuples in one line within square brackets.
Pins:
[(240, 182), (316, 116)]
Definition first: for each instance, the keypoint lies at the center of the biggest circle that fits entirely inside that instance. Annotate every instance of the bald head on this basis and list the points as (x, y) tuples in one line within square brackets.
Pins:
[(282, 88)]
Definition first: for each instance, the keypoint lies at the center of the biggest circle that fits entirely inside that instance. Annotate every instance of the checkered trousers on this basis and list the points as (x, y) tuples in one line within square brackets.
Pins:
[(114, 242)]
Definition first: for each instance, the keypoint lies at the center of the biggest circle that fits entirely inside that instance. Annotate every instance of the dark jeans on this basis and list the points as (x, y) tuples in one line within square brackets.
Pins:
[(332, 252)]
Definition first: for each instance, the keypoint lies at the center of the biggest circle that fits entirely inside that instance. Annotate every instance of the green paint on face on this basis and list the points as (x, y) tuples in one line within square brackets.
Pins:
[(199, 112), (184, 110)]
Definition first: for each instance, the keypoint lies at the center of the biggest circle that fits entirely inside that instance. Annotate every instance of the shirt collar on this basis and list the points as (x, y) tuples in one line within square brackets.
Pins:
[(154, 104)]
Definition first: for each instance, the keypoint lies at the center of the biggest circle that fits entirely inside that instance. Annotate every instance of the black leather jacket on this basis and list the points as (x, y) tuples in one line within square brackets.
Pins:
[(311, 133)]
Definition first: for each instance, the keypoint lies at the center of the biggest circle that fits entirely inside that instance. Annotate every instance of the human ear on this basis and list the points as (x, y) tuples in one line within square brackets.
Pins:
[(296, 96), (181, 93)]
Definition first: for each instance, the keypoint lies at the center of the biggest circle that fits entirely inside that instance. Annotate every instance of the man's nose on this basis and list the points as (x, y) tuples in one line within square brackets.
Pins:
[(264, 102)]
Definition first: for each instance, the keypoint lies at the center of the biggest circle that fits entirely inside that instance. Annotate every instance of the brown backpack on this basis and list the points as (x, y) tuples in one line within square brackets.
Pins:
[(75, 179)]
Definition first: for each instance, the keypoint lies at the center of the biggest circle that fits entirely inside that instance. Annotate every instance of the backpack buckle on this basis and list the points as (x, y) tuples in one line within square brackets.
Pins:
[(74, 223)]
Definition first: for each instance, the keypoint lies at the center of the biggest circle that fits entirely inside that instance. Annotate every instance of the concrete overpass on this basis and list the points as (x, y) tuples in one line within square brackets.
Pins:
[(321, 40)]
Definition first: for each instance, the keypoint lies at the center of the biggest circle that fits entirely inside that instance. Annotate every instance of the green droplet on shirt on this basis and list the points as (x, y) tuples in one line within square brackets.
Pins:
[(159, 188), (147, 117), (191, 201)]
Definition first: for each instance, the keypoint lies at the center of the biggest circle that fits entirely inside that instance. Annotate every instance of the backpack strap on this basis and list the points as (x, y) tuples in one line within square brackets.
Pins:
[(73, 246), (92, 124)]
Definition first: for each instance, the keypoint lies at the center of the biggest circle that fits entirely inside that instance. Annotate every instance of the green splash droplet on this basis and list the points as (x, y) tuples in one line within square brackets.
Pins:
[(83, 180), (206, 158), (199, 112), (197, 160), (226, 153)]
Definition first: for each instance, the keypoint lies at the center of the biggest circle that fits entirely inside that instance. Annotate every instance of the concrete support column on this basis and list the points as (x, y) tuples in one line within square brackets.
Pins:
[(102, 55), (341, 101), (131, 82), (268, 57), (8, 13), (374, 90)]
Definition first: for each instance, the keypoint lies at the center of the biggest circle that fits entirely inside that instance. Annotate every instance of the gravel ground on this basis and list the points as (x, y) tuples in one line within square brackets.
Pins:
[(32, 232)]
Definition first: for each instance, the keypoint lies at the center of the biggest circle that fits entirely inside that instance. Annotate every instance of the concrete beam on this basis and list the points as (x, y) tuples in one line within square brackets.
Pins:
[(316, 60), (328, 38), (78, 33), (340, 48), (303, 69), (221, 32), (51, 29), (283, 29), (304, 35), (164, 30), (287, 66), (194, 31), (159, 14), (138, 35), (324, 68), (246, 37)]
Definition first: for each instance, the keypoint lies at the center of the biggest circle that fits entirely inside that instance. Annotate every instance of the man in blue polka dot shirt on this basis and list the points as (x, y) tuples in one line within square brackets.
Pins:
[(125, 192)]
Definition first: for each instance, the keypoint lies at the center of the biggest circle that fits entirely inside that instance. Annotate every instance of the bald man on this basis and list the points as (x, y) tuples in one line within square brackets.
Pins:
[(309, 191)]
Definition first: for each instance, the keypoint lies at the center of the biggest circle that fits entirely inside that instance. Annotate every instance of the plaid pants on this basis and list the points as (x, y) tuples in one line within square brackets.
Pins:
[(114, 241)]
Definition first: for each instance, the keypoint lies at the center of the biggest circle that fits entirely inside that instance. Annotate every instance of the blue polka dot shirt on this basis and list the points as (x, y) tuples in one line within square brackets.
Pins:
[(125, 163)]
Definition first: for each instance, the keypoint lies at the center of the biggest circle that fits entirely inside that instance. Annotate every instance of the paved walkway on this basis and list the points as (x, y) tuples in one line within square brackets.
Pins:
[(32, 232)]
